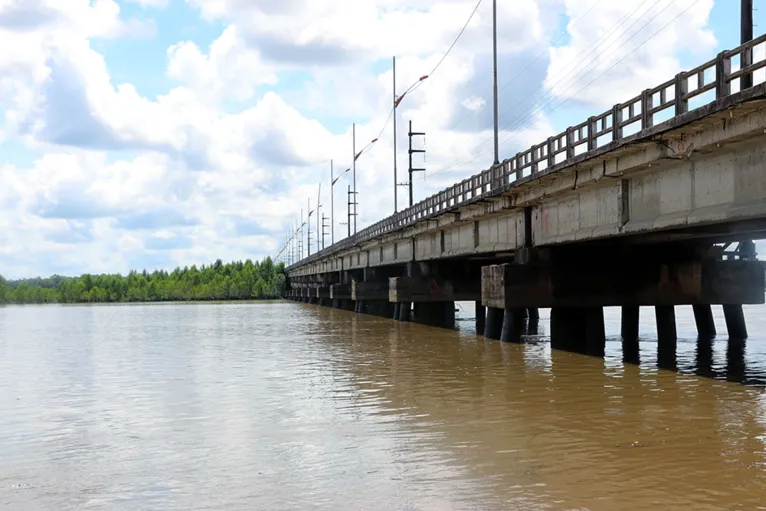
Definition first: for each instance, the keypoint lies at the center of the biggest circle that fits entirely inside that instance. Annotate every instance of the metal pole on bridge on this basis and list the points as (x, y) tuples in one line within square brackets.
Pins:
[(746, 35), (396, 182), (353, 166), (332, 207), (494, 84)]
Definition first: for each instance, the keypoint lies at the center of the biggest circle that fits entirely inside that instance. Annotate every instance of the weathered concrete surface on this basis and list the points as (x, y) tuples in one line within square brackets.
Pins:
[(431, 289), (322, 292), (377, 290), (510, 286)]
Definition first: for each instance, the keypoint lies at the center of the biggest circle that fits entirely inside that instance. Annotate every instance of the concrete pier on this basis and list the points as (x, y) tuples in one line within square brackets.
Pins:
[(629, 323), (666, 323), (493, 328), (703, 317), (735, 321), (481, 317), (514, 321), (568, 329), (438, 314), (405, 311), (595, 332)]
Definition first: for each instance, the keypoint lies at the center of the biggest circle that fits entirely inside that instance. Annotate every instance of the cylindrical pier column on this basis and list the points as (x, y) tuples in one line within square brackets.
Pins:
[(667, 337), (703, 317), (494, 323), (533, 313), (336, 303), (735, 321), (595, 332), (397, 309), (404, 311), (481, 317), (568, 329), (666, 322), (513, 325), (630, 316)]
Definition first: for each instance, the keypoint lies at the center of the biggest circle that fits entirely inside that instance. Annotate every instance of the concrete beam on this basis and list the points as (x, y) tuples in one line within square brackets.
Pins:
[(369, 290), (413, 289), (632, 283)]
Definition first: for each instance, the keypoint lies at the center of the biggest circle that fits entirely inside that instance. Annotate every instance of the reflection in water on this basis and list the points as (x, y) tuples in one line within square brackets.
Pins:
[(288, 406)]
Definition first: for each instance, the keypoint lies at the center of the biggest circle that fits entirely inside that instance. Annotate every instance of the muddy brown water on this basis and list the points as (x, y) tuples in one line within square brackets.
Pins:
[(290, 406)]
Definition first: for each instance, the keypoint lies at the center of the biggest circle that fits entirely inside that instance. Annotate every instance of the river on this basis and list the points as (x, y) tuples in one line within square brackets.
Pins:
[(272, 406)]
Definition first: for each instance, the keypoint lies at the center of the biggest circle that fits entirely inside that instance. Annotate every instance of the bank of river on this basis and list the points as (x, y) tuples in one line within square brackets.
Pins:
[(290, 406)]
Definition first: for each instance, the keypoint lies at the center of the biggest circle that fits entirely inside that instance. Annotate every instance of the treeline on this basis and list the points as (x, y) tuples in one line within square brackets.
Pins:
[(233, 281)]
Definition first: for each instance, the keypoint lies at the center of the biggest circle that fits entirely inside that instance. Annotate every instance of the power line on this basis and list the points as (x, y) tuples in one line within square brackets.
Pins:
[(518, 75), (566, 75), (417, 84), (524, 120)]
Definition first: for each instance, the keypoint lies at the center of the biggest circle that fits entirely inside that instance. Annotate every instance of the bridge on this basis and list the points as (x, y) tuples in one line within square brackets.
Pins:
[(634, 207)]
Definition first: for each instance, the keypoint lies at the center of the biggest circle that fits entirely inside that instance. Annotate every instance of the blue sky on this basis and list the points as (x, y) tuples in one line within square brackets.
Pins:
[(154, 133)]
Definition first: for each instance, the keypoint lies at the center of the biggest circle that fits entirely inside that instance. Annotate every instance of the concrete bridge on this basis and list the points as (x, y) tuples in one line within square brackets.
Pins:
[(634, 207)]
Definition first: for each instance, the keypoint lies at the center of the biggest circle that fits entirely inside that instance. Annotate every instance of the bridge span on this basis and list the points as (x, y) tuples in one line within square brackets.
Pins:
[(634, 207)]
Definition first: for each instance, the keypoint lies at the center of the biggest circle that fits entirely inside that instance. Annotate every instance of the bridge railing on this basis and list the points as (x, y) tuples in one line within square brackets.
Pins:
[(636, 114)]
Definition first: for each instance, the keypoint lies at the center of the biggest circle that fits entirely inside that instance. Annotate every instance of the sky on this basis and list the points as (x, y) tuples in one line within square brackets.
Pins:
[(160, 133)]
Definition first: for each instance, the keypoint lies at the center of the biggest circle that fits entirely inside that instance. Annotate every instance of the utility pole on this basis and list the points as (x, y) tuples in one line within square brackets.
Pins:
[(411, 151), (325, 228), (308, 230), (332, 206), (353, 166), (300, 242), (351, 202), (319, 218), (396, 207), (746, 35), (494, 84)]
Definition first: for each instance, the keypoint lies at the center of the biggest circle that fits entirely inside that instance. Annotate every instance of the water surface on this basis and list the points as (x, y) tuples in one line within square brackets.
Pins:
[(291, 406)]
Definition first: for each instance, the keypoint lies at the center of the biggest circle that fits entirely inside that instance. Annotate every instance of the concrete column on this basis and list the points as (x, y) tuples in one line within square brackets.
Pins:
[(703, 317), (631, 353), (347, 305), (533, 314), (405, 311), (568, 329), (379, 308), (630, 316), (667, 337), (397, 310), (336, 303), (513, 325), (666, 322), (595, 332), (494, 323), (438, 314), (481, 317), (735, 321)]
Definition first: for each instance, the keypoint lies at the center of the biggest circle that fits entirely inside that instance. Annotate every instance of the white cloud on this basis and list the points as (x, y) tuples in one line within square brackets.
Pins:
[(221, 163), (630, 45), (231, 69)]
